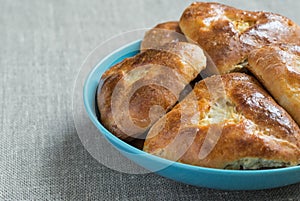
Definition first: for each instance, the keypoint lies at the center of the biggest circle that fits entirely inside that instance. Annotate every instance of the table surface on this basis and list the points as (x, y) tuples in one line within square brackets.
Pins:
[(43, 44)]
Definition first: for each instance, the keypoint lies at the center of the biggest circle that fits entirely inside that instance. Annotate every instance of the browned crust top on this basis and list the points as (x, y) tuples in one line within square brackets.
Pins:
[(229, 34), (260, 128), (128, 91), (162, 34), (278, 69)]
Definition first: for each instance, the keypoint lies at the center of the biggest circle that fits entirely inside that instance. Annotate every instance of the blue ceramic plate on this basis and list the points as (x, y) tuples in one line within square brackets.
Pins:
[(189, 174)]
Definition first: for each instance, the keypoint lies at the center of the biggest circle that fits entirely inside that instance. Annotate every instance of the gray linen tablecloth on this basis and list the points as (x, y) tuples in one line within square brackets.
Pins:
[(43, 44)]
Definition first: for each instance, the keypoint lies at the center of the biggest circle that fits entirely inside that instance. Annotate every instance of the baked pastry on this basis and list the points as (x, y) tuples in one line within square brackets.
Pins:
[(228, 122), (228, 34), (278, 69), (136, 92), (167, 32), (161, 34)]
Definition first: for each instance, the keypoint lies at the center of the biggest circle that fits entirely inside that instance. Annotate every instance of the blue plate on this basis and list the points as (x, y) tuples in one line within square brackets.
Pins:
[(189, 174)]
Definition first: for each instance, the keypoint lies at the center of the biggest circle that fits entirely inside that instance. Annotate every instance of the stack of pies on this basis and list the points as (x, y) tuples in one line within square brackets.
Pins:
[(243, 114)]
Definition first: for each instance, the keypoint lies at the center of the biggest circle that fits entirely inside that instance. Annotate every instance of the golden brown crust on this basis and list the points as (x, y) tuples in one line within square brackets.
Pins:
[(161, 34), (278, 69), (171, 25), (241, 126), (228, 34), (133, 94)]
